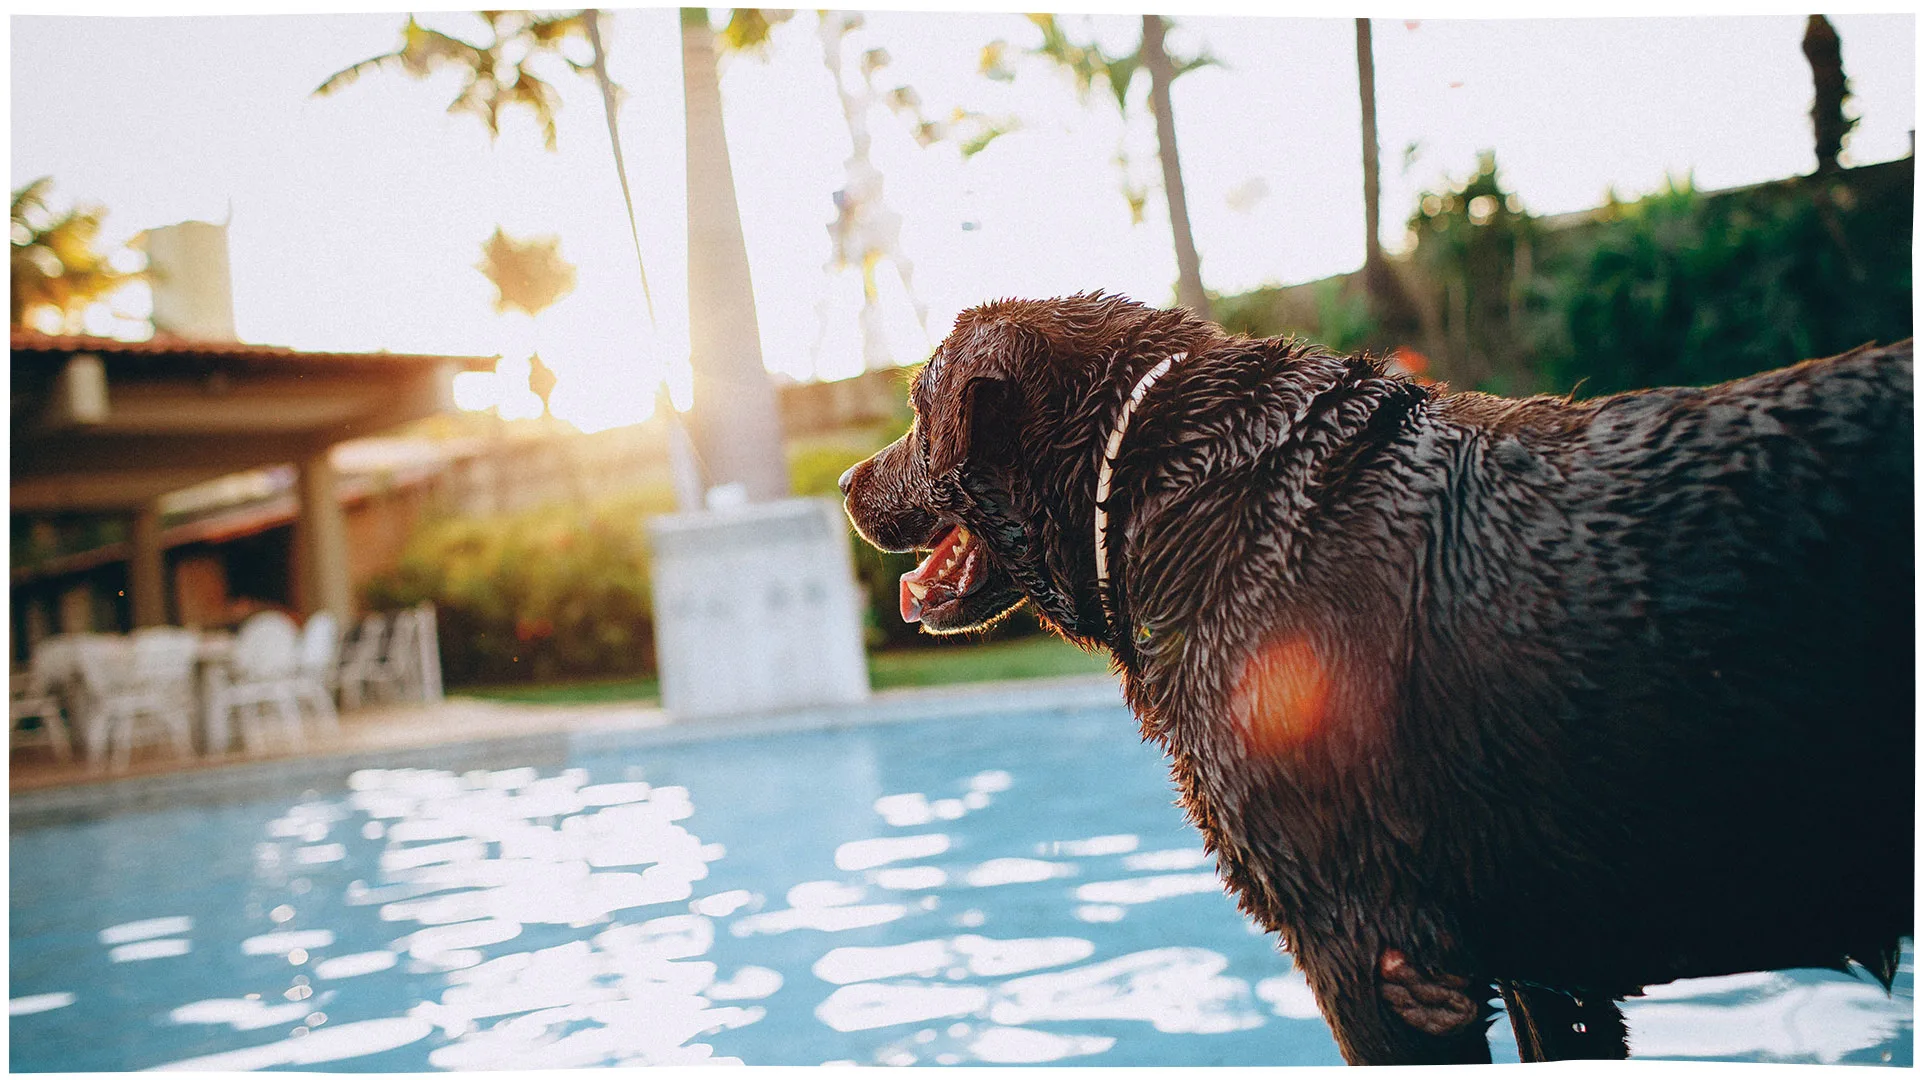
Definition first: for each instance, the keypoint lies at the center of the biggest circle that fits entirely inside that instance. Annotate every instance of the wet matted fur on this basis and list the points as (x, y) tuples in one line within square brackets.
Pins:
[(1566, 698)]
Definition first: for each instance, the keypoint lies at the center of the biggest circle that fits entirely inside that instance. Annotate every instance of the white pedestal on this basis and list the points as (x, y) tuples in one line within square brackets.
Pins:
[(756, 609)]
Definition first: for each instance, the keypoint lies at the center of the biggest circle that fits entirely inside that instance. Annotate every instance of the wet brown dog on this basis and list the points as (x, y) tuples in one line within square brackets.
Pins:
[(1571, 697)]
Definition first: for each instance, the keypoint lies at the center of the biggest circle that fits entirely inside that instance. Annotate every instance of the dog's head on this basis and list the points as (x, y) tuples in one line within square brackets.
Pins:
[(996, 476)]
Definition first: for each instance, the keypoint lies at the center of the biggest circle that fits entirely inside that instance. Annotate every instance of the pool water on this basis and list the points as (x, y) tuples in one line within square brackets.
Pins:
[(1015, 889)]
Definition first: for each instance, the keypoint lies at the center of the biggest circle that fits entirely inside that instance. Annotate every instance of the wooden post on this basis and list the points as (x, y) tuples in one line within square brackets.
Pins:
[(320, 535), (147, 569)]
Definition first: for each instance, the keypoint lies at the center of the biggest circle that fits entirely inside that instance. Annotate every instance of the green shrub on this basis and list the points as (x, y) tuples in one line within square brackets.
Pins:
[(557, 591), (1682, 287), (1469, 240)]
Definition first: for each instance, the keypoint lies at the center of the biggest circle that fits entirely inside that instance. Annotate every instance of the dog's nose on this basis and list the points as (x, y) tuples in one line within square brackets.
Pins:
[(846, 479)]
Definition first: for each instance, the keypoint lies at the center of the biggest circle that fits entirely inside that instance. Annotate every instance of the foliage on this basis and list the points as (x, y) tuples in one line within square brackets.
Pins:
[(1681, 287), (1470, 237), (56, 273), (1346, 322), (750, 30), (560, 590), (1089, 66), (497, 72), (529, 274), (1333, 312)]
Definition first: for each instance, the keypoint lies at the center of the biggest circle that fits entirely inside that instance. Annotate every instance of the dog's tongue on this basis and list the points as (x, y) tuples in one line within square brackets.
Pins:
[(925, 574)]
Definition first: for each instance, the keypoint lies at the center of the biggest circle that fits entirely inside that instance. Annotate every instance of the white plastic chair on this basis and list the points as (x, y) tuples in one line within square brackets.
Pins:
[(135, 685), (29, 698), (318, 667), (264, 679), (365, 668), (50, 692), (55, 668)]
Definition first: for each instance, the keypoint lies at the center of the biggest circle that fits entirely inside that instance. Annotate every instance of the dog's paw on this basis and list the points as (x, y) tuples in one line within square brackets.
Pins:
[(1433, 1002)]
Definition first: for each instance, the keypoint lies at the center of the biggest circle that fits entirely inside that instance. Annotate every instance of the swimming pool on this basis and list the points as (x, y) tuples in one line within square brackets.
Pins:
[(1014, 888)]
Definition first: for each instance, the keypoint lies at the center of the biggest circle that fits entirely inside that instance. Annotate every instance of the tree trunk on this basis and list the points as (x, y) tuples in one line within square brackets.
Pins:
[(1153, 52), (688, 485), (736, 420), (1821, 46), (1394, 311), (1369, 149)]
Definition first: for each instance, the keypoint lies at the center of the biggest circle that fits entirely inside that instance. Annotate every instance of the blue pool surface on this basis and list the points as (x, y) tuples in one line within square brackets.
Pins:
[(1013, 889)]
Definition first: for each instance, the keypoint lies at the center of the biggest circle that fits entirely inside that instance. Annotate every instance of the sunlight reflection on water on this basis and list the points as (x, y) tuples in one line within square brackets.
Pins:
[(470, 861), (522, 918)]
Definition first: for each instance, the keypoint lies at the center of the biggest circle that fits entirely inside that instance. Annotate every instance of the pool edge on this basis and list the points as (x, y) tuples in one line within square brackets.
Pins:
[(593, 733)]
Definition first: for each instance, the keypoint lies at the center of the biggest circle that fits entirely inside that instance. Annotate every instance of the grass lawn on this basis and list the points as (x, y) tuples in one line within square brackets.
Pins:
[(1022, 658)]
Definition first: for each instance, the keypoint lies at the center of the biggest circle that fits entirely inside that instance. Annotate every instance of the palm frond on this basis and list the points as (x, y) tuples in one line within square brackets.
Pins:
[(1120, 71), (481, 98), (541, 97), (421, 51), (751, 29), (985, 130), (1205, 59), (31, 198), (993, 62), (553, 29), (426, 48), (347, 76)]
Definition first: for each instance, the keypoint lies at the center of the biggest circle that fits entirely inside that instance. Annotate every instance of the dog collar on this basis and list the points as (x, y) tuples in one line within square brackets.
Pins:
[(1101, 489)]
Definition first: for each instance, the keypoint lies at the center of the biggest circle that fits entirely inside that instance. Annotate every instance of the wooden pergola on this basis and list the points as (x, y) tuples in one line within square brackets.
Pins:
[(106, 426)]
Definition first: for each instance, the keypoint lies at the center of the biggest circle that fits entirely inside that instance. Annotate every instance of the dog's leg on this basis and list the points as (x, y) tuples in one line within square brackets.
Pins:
[(1433, 1002), (1385, 1009), (1552, 1026)]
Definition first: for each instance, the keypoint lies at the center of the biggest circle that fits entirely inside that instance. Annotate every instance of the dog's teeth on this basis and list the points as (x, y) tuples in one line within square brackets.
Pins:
[(918, 590)]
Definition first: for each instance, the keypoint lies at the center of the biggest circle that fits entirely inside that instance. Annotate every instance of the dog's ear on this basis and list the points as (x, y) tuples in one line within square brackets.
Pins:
[(973, 425), (976, 397)]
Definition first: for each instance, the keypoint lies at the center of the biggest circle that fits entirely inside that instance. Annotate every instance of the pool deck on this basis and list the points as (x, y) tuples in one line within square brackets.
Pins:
[(464, 732)]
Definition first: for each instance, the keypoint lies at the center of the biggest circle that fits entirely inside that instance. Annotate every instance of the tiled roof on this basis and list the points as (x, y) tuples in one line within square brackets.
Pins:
[(167, 345)]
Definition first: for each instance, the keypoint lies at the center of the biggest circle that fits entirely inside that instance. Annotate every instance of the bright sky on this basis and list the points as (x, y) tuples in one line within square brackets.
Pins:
[(357, 219)]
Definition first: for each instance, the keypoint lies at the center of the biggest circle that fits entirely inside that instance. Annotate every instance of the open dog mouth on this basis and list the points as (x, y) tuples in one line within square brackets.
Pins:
[(955, 570)]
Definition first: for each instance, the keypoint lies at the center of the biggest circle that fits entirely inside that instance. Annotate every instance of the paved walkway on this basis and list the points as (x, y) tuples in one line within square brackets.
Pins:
[(413, 732)]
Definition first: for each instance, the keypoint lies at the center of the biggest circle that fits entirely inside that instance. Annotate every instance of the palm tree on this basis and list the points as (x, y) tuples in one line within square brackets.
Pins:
[(1369, 153), (56, 273), (739, 443), (1089, 64), (1153, 52), (1392, 309), (493, 80), (1821, 46)]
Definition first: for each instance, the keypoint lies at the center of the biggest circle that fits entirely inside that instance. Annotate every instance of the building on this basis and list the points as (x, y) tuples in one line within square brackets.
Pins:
[(105, 429)]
